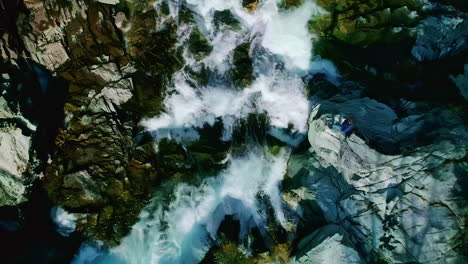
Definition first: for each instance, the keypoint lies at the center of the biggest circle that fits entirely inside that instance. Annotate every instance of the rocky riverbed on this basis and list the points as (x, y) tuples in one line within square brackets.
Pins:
[(161, 131)]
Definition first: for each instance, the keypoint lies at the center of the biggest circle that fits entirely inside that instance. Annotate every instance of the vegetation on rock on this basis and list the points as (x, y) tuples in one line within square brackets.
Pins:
[(198, 45), (373, 42), (225, 17), (242, 72), (250, 5), (289, 4)]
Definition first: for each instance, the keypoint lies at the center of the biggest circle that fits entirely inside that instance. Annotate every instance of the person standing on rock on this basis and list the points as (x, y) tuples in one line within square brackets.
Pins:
[(347, 127)]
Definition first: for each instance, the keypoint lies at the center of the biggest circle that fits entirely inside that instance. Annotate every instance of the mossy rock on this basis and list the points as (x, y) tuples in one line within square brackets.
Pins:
[(225, 18), (321, 25), (141, 176), (147, 96), (154, 52), (250, 5), (198, 45), (242, 71), (383, 26), (274, 149), (168, 146), (206, 161), (290, 4), (133, 7), (200, 76), (209, 150), (365, 24), (186, 15), (172, 159), (360, 7), (165, 8), (106, 214), (229, 253), (115, 190)]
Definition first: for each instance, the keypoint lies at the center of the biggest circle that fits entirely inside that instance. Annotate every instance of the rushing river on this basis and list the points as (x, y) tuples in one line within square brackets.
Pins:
[(281, 50)]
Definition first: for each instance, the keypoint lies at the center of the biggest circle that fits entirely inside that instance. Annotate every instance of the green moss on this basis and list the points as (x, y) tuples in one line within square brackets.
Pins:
[(147, 95), (274, 150), (226, 18), (115, 190), (106, 214), (201, 76), (364, 24), (229, 253), (198, 45), (206, 161), (168, 146), (289, 4), (360, 7), (165, 8), (246, 3), (152, 52), (172, 159), (320, 25), (242, 72), (186, 15), (133, 7)]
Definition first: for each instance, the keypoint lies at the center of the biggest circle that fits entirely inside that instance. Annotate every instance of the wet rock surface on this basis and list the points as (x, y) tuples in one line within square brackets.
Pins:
[(77, 78), (113, 63), (397, 204), (385, 44), (94, 170)]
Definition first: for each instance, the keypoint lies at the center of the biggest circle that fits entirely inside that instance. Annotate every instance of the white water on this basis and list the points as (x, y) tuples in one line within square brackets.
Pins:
[(281, 49), (279, 39), (64, 221), (282, 33), (282, 99), (182, 232)]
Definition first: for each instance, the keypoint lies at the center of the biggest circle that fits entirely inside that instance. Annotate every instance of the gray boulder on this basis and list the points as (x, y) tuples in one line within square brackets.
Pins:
[(406, 207), (330, 244)]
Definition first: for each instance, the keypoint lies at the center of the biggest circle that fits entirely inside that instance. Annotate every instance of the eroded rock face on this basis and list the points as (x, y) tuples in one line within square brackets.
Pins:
[(14, 156), (362, 38), (18, 142), (367, 23), (390, 191), (428, 47), (329, 244), (113, 60), (406, 207)]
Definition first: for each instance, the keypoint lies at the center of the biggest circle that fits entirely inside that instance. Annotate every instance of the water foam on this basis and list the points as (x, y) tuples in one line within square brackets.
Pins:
[(278, 93), (283, 100), (65, 221), (183, 231)]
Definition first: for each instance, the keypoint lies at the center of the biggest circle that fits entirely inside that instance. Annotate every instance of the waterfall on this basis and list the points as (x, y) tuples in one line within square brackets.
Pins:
[(281, 51), (183, 232)]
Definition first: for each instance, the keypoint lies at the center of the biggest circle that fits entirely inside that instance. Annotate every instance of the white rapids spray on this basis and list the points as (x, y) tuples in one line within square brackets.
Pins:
[(183, 230), (64, 221), (182, 233), (274, 35)]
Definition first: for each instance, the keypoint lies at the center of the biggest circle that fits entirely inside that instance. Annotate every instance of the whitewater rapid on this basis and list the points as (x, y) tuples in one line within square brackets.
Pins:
[(281, 48), (183, 230)]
